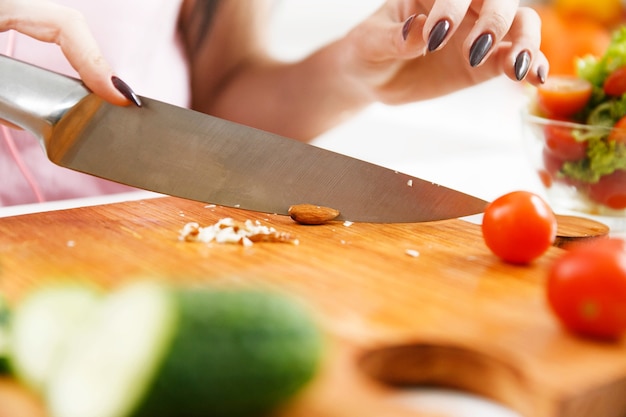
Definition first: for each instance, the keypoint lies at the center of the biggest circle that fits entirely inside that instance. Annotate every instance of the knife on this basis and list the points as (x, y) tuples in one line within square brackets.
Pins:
[(180, 152)]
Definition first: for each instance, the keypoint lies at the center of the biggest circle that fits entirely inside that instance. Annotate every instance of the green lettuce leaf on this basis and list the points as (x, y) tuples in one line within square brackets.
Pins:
[(596, 69), (603, 158), (607, 113)]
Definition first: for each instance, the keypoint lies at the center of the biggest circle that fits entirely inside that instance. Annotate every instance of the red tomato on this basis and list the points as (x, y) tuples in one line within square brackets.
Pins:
[(586, 288), (618, 134), (615, 83), (551, 167), (551, 163), (610, 190), (519, 227), (560, 142), (545, 177), (550, 172), (563, 96)]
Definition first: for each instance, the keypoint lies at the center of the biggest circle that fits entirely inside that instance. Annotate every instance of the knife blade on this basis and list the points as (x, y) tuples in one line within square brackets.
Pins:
[(180, 152)]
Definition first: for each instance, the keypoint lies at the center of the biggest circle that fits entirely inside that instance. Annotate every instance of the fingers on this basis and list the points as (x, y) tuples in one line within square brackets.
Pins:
[(518, 56), (50, 22), (490, 27), (528, 62), (412, 44), (84, 55), (494, 21), (443, 21)]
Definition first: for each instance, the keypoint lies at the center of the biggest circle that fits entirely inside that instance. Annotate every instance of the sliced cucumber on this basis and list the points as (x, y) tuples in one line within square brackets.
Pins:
[(107, 369), (157, 351), (42, 327)]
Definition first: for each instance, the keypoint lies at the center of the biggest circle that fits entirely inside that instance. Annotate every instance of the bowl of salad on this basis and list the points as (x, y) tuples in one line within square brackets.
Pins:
[(575, 134)]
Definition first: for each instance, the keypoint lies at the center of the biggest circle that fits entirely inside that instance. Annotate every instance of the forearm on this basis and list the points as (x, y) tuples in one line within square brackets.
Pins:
[(299, 100), (385, 58)]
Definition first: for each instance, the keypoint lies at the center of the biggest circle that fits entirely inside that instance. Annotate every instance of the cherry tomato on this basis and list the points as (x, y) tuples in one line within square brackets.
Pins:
[(615, 83), (561, 143), (610, 190), (563, 96), (618, 134), (586, 288), (550, 169), (550, 172), (545, 177), (519, 227)]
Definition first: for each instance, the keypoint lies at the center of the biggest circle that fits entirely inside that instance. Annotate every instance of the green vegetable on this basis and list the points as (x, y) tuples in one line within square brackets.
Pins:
[(43, 325), (596, 69), (603, 110), (607, 113), (603, 156), (152, 350)]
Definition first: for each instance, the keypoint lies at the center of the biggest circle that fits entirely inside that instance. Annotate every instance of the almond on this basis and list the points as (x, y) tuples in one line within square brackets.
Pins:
[(312, 214)]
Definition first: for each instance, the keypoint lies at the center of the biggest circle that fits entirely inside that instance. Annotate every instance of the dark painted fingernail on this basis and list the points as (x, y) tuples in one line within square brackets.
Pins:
[(126, 91), (407, 27), (541, 73), (438, 34), (522, 65), (479, 49)]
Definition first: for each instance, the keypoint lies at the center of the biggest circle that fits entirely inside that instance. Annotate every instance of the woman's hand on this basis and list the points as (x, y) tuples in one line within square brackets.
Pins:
[(408, 50), (415, 49), (51, 22)]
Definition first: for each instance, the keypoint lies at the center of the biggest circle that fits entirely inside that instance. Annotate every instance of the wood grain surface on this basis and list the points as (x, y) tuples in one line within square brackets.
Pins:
[(401, 304)]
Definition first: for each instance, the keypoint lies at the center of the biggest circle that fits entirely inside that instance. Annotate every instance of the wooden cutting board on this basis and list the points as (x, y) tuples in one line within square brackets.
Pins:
[(402, 304)]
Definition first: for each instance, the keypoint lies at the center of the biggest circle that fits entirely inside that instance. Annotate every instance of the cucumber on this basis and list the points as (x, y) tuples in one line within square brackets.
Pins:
[(5, 315), (153, 350), (42, 326)]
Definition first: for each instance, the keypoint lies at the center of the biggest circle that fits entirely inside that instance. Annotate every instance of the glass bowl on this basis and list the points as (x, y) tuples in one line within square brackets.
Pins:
[(582, 167)]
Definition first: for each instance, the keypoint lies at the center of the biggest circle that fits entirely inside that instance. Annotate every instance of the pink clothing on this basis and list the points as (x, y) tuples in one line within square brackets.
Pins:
[(139, 39)]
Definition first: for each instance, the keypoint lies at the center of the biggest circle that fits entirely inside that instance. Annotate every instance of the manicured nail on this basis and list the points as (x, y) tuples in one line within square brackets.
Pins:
[(407, 27), (522, 65), (438, 34), (479, 49), (126, 91), (541, 74)]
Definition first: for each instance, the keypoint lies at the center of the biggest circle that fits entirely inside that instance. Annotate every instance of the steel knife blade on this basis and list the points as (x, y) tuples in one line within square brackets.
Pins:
[(185, 153)]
